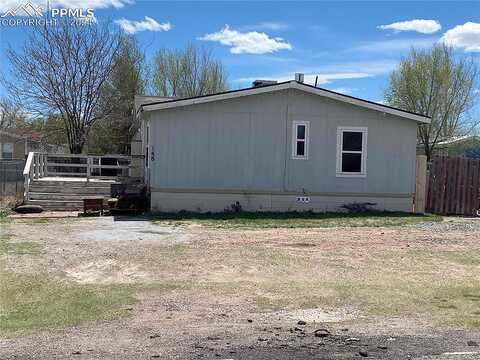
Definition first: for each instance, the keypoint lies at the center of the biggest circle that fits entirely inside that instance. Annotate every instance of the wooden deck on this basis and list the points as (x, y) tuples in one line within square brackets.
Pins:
[(62, 181)]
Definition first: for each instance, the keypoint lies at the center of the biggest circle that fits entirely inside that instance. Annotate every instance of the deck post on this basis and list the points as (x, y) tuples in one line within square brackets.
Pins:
[(45, 166), (35, 165), (40, 163), (89, 169)]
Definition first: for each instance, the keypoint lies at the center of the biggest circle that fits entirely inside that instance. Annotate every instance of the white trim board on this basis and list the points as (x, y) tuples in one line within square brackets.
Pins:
[(282, 86)]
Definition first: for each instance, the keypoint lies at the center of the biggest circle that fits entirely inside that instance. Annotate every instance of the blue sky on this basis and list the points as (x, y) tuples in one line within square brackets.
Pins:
[(341, 42)]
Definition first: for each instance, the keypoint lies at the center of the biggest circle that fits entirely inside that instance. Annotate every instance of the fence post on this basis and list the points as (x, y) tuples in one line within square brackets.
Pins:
[(420, 184)]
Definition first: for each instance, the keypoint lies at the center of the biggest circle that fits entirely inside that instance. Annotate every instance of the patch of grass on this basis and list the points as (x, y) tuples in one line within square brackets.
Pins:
[(19, 248), (4, 212), (29, 302), (466, 258), (41, 221), (295, 295), (291, 219), (445, 304)]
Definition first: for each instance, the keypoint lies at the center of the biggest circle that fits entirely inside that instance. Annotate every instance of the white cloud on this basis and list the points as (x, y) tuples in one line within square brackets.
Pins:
[(6, 5), (267, 25), (465, 36), (395, 45), (418, 25), (329, 77), (323, 78), (149, 24), (329, 73), (247, 42), (344, 90), (93, 4), (374, 67)]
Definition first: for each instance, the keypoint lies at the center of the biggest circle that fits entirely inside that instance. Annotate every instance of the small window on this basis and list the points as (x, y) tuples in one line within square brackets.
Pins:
[(7, 151), (351, 151), (300, 132)]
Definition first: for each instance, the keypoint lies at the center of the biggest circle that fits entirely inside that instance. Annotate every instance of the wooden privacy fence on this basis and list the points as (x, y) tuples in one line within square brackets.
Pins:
[(453, 186)]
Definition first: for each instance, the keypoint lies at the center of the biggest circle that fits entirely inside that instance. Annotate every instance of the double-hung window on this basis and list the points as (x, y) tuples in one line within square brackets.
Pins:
[(351, 151), (300, 133)]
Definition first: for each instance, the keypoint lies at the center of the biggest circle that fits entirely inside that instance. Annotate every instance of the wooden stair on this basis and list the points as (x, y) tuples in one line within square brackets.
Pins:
[(65, 195)]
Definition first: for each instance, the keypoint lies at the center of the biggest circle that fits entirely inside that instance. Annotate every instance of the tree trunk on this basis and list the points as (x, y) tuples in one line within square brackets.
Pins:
[(428, 152), (76, 148)]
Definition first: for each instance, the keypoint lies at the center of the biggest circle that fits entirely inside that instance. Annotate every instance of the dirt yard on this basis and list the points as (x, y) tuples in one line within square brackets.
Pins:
[(96, 288)]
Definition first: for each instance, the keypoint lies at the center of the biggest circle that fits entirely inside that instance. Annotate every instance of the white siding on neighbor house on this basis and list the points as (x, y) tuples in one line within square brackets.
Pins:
[(208, 155)]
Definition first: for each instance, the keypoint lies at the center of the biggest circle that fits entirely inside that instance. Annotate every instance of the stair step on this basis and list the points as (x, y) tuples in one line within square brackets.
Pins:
[(63, 196), (82, 184), (69, 190), (57, 204)]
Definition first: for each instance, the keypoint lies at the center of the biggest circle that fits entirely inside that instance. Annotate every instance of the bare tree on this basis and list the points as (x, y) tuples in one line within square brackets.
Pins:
[(437, 83), (62, 69), (10, 113), (186, 73)]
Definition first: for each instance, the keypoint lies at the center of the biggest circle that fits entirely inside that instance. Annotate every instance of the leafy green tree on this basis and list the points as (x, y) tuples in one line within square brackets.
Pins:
[(192, 71), (437, 83), (114, 132)]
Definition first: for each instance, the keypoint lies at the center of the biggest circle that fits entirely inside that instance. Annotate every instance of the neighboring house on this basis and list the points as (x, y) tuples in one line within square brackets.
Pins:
[(279, 147), (466, 146), (15, 146), (12, 146)]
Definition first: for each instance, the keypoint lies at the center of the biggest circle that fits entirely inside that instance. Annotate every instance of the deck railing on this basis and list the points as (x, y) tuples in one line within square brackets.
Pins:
[(39, 165)]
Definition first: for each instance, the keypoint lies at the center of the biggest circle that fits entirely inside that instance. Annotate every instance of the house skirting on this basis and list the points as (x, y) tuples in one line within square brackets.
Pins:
[(174, 200)]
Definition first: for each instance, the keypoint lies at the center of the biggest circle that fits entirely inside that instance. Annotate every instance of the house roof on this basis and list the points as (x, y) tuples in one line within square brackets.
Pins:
[(458, 139), (23, 134), (13, 135), (173, 103)]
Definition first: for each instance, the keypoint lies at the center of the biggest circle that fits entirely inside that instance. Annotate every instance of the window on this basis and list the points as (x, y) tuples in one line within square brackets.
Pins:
[(300, 135), (7, 151), (352, 151)]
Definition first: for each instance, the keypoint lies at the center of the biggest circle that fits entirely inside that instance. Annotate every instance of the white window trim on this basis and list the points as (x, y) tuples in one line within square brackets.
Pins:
[(340, 131), (294, 139)]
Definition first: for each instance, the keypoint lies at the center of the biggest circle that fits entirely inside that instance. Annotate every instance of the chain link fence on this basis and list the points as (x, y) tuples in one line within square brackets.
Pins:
[(11, 181)]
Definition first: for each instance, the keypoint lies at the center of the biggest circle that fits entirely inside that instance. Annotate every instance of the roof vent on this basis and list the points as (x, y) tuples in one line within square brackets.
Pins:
[(299, 77), (259, 83)]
